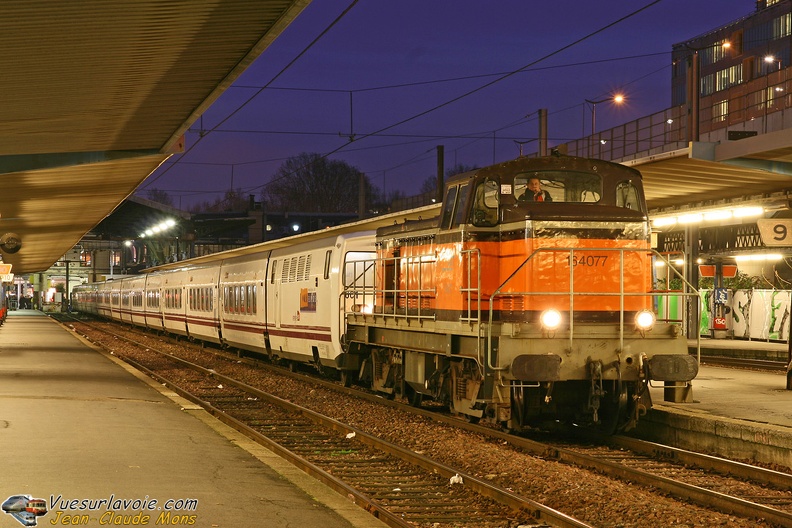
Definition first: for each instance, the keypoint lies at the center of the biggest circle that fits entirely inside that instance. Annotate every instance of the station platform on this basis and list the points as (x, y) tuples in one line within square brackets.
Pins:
[(89, 435), (742, 349), (732, 412)]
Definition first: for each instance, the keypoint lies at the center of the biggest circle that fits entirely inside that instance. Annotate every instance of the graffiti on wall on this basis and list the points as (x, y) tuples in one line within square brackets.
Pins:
[(751, 314)]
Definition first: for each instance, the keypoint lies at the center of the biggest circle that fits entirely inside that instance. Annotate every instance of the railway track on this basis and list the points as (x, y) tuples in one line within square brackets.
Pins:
[(400, 487), (760, 364), (714, 483)]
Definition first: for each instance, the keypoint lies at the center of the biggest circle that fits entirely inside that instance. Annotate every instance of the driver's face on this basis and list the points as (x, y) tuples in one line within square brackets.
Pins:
[(534, 185)]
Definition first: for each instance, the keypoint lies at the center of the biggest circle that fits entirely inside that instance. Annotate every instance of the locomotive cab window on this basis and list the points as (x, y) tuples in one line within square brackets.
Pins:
[(558, 186), (460, 214), (485, 204), (454, 212), (627, 196), (448, 207)]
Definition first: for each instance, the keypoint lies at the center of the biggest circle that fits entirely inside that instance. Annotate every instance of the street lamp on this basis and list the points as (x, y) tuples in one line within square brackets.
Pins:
[(770, 59), (694, 82), (769, 94), (616, 98)]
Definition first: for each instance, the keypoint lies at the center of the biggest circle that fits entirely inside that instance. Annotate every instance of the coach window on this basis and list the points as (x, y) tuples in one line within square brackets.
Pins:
[(485, 204), (272, 275), (448, 207)]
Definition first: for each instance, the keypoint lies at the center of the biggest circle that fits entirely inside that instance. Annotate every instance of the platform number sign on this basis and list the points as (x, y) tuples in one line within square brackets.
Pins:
[(775, 231)]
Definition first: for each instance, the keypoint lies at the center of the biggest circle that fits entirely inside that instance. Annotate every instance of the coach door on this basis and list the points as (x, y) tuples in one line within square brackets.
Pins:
[(273, 295)]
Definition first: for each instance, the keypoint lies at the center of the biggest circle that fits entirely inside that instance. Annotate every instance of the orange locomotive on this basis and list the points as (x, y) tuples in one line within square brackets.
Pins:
[(528, 300)]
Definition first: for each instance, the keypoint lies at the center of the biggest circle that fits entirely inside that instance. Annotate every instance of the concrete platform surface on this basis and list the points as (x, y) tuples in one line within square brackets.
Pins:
[(77, 426), (734, 413), (754, 396)]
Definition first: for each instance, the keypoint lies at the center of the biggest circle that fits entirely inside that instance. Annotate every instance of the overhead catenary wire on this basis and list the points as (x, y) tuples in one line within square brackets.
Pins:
[(486, 85), (380, 131)]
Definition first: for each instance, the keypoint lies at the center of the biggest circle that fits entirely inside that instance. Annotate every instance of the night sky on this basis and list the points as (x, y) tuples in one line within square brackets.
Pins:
[(487, 66)]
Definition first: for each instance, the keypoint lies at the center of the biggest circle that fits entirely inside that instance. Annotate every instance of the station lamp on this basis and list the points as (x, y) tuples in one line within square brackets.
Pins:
[(158, 228), (712, 215)]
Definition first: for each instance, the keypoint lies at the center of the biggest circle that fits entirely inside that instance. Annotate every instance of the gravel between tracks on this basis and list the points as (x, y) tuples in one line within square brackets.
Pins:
[(583, 494)]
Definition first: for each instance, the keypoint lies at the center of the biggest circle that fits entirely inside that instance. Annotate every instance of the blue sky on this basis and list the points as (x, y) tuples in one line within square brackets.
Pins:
[(400, 59)]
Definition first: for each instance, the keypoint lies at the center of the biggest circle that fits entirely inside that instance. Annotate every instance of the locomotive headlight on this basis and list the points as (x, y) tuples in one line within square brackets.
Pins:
[(550, 319), (645, 319)]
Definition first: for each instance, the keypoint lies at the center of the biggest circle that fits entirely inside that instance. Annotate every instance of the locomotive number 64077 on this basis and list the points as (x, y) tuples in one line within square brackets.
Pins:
[(588, 260)]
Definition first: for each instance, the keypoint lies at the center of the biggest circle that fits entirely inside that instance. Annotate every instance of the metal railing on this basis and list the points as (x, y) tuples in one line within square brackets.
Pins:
[(361, 295), (403, 299), (571, 294), (472, 292), (761, 105)]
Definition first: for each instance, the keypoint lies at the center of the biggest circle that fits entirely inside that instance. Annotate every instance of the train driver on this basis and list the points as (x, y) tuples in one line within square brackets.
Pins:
[(534, 192)]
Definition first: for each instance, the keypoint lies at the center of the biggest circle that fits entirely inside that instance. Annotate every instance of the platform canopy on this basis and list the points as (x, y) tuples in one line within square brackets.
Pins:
[(709, 174), (97, 94)]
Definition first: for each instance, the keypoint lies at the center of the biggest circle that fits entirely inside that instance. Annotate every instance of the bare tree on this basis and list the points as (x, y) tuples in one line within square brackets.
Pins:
[(312, 183), (156, 195), (231, 201)]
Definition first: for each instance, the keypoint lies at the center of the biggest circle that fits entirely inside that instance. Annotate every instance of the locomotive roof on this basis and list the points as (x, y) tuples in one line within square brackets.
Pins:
[(554, 162), (506, 171)]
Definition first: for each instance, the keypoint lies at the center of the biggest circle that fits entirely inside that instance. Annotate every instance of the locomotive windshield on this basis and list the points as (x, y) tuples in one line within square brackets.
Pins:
[(562, 186)]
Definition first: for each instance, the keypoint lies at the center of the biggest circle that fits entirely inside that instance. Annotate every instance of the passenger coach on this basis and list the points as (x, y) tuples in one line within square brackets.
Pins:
[(286, 302)]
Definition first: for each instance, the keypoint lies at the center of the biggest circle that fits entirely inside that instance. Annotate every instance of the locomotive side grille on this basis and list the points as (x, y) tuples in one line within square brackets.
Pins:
[(514, 303), (424, 302)]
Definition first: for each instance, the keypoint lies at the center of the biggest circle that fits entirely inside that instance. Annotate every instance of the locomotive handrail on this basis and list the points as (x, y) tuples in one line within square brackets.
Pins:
[(692, 290), (358, 286), (372, 291), (468, 292), (571, 293)]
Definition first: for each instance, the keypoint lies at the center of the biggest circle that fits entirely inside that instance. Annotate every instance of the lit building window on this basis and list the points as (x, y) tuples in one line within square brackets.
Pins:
[(720, 111), (728, 77), (782, 26)]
